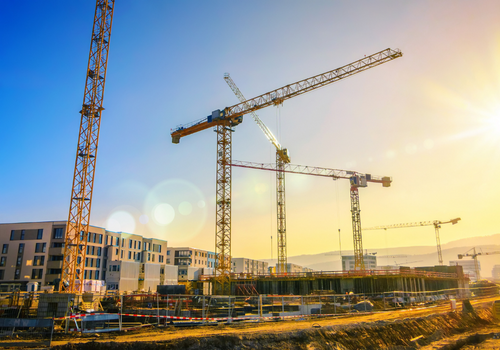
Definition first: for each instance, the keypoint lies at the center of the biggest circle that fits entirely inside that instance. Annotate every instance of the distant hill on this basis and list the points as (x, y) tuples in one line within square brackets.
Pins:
[(413, 256)]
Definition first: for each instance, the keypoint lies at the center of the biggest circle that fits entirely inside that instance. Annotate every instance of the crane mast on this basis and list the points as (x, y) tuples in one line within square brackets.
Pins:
[(282, 158), (224, 120), (356, 180), (77, 227), (436, 223)]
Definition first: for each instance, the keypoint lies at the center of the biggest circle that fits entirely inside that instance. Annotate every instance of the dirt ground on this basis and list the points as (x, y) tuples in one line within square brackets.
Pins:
[(431, 328)]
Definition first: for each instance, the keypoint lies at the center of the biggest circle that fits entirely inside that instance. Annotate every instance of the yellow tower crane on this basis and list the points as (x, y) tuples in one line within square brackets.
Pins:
[(437, 225), (282, 158), (224, 120), (356, 179), (77, 227), (474, 256)]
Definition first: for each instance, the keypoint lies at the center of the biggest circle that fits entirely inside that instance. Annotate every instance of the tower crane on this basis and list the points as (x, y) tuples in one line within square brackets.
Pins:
[(224, 120), (356, 179), (474, 256), (77, 227), (437, 225), (282, 158)]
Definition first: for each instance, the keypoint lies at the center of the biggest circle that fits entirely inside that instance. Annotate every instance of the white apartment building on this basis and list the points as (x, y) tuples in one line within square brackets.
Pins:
[(33, 252), (348, 262), (187, 258), (249, 266)]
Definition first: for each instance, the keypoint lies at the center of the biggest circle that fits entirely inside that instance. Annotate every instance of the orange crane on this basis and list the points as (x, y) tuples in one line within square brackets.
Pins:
[(356, 179), (77, 227), (474, 256), (437, 225), (224, 120), (282, 158)]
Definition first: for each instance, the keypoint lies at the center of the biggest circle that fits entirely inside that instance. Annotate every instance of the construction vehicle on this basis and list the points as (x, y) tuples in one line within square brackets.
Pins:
[(474, 256), (77, 227), (356, 179), (437, 225), (224, 120)]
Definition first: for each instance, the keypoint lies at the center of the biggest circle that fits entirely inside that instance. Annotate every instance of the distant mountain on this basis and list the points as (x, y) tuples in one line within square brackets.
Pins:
[(409, 256)]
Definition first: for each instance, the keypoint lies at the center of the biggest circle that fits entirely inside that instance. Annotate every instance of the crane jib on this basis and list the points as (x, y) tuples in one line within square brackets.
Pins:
[(232, 116)]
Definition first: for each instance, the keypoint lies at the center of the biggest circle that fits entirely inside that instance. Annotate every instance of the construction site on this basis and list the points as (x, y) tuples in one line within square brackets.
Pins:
[(357, 307)]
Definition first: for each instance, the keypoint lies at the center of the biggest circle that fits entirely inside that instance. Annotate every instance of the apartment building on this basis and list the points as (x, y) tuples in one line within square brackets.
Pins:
[(187, 258), (244, 265), (348, 262), (33, 252)]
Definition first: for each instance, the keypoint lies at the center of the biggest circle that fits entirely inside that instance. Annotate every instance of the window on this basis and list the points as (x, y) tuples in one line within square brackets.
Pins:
[(54, 271), (153, 258), (36, 273), (130, 255), (19, 261), (130, 243), (93, 250), (98, 251), (168, 252), (79, 260), (139, 245), (97, 275), (21, 248), (138, 256), (3, 261), (39, 260), (107, 240), (122, 254), (106, 252), (5, 249), (116, 252), (159, 248), (117, 241), (56, 257), (39, 235), (40, 247), (58, 233), (86, 262), (89, 238), (97, 262), (94, 237), (88, 250), (134, 255), (135, 244), (17, 274), (58, 245), (85, 274), (2, 274), (168, 261), (22, 235), (149, 256), (12, 235), (100, 238), (91, 262)]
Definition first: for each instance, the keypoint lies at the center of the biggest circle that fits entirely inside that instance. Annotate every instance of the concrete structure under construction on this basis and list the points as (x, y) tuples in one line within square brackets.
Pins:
[(423, 279)]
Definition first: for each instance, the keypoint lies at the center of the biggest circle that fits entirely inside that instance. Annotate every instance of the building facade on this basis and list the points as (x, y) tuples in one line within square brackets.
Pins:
[(187, 259), (33, 252), (249, 266), (348, 262)]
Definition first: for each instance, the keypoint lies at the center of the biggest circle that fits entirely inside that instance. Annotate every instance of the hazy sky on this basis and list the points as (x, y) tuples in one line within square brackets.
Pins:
[(430, 120)]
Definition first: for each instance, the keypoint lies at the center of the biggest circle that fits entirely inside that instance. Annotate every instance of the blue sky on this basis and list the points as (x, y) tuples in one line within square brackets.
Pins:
[(428, 119)]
